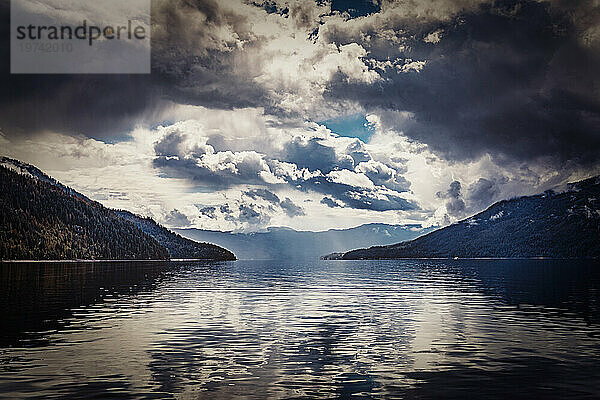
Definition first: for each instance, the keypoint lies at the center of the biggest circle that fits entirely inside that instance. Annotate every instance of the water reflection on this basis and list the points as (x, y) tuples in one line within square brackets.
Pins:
[(331, 329), (39, 298)]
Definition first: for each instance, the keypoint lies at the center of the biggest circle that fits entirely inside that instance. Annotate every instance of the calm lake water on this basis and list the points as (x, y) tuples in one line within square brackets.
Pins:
[(322, 329)]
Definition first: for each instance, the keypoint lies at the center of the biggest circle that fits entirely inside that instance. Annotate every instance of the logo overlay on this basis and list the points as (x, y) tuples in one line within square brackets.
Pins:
[(80, 37)]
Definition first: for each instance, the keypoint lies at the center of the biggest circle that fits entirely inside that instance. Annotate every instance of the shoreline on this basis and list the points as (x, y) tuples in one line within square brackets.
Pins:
[(110, 261), (180, 260), (457, 258)]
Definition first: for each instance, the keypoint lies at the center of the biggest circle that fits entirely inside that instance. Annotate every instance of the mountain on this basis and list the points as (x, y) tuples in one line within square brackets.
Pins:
[(33, 172), (291, 244), (39, 220), (557, 225), (177, 246), (42, 219)]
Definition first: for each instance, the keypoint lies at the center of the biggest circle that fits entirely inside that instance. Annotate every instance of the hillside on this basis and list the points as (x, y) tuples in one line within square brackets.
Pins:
[(558, 225), (176, 245), (33, 172), (291, 244), (39, 220), (42, 219)]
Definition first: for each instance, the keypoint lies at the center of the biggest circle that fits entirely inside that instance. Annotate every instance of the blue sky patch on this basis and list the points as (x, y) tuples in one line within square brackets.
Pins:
[(355, 125), (356, 8)]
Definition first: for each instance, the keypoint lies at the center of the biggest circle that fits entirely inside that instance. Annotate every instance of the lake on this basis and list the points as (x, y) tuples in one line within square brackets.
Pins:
[(287, 329)]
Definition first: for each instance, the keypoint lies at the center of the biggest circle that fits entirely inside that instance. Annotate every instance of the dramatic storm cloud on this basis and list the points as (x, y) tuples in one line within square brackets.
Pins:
[(515, 79), (317, 114)]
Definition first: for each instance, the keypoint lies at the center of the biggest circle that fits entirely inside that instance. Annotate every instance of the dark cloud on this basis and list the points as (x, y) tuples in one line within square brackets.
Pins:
[(329, 202), (382, 175), (187, 68), (228, 170), (252, 216), (88, 104), (455, 205), (357, 197), (179, 154), (196, 58), (263, 194), (286, 205), (358, 152), (225, 209), (454, 191), (177, 219), (482, 193), (291, 209), (312, 154), (514, 78), (208, 211)]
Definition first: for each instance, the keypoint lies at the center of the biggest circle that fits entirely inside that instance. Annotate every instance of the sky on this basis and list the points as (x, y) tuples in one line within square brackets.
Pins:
[(317, 115)]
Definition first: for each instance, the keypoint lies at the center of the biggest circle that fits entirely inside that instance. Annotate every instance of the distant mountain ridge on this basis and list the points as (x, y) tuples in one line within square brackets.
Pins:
[(557, 225), (176, 245), (42, 219), (279, 242)]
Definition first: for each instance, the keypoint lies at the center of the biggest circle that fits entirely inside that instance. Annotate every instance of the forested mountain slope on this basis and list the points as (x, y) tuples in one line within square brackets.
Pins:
[(176, 245), (40, 220), (559, 225)]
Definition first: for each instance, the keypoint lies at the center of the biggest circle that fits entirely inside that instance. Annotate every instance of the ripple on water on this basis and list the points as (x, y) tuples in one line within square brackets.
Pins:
[(381, 329)]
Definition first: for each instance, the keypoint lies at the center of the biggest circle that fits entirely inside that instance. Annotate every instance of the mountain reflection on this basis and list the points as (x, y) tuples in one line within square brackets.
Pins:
[(367, 329), (36, 298)]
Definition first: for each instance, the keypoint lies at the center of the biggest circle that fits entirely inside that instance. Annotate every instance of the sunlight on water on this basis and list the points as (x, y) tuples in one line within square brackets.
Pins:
[(381, 329)]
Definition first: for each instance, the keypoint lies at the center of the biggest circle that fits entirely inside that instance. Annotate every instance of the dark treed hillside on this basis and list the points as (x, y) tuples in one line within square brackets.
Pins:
[(177, 246), (40, 220), (31, 171), (560, 225)]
